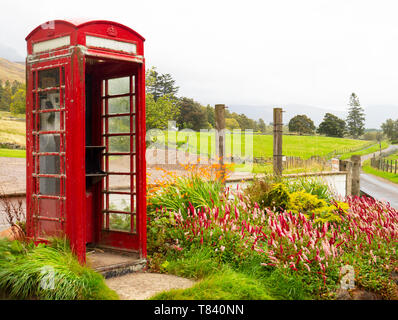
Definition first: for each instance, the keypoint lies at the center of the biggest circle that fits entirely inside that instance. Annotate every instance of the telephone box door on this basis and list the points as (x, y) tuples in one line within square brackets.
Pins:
[(46, 137), (119, 136)]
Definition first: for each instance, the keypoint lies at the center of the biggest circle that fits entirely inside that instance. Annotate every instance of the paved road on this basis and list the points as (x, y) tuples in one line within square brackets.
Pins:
[(379, 188)]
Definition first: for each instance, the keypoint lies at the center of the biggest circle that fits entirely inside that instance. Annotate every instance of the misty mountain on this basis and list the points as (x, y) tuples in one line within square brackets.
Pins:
[(375, 115), (10, 54)]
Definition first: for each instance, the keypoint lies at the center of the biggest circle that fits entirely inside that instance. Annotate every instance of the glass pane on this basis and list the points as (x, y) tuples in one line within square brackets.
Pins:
[(119, 202), (119, 144), (119, 183), (48, 78), (119, 124), (133, 106), (119, 164), (119, 105), (133, 79), (50, 186), (49, 164), (119, 222), (119, 86), (49, 142), (49, 100), (49, 121), (49, 208)]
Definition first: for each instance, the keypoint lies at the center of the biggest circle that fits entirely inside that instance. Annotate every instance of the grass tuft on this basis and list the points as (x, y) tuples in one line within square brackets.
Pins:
[(49, 272)]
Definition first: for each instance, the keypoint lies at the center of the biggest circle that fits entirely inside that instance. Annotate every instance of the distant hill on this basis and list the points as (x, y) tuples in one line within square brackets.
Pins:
[(10, 53), (375, 114), (11, 70)]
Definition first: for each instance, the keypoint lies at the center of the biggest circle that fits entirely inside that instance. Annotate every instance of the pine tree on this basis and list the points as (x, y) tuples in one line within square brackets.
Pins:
[(356, 117), (160, 85)]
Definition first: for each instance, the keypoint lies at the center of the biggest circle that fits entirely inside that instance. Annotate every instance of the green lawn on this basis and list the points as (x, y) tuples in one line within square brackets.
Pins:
[(12, 153), (373, 148), (393, 156), (386, 175), (262, 145)]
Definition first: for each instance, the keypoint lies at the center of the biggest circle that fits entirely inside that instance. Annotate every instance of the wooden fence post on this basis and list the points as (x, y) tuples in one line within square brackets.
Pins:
[(277, 160), (220, 137), (356, 168), (345, 165)]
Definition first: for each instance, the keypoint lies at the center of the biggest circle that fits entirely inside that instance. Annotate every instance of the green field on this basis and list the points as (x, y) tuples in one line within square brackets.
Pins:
[(386, 175), (12, 131), (262, 145), (12, 153), (371, 149), (393, 156), (204, 143)]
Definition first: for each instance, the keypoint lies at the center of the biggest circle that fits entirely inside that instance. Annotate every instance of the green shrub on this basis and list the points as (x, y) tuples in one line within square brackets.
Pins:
[(258, 189), (278, 197), (301, 201), (192, 190), (314, 186)]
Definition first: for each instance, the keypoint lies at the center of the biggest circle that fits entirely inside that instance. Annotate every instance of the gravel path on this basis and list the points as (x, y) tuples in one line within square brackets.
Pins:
[(143, 285)]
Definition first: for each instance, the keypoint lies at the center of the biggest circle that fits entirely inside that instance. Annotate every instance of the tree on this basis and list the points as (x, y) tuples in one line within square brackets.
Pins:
[(192, 115), (159, 112), (5, 96), (18, 102), (160, 84), (211, 116), (231, 124), (390, 129), (301, 124), (261, 125), (332, 126), (355, 118)]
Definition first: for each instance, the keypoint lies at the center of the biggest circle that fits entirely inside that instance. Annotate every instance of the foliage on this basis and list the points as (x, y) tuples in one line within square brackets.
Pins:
[(332, 126), (178, 193), (231, 124), (224, 285), (159, 85), (390, 129), (159, 112), (278, 198), (49, 272), (301, 124), (18, 102), (262, 126), (356, 117), (301, 201), (192, 115), (314, 186), (281, 249), (12, 92)]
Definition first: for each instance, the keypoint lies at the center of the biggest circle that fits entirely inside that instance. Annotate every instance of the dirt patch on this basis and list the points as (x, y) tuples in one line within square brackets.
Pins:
[(143, 285)]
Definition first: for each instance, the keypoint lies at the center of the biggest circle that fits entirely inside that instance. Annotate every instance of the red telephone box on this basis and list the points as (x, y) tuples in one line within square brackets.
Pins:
[(85, 132)]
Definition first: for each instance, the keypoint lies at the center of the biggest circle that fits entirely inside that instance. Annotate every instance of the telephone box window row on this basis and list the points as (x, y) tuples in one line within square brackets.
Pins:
[(118, 105), (118, 86)]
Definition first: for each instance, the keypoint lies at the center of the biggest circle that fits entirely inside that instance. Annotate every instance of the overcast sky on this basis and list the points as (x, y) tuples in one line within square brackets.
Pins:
[(311, 52)]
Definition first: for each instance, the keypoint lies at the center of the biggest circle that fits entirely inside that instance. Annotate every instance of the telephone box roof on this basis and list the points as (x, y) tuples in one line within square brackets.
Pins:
[(79, 23)]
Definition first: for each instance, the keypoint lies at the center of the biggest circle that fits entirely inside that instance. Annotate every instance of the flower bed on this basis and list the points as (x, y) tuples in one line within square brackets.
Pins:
[(310, 246)]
